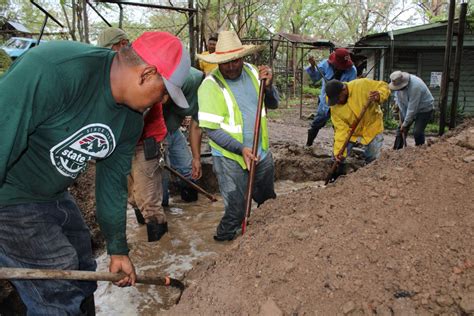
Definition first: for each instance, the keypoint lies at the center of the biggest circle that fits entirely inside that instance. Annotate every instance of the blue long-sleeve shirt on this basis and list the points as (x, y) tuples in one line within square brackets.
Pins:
[(328, 72), (415, 98)]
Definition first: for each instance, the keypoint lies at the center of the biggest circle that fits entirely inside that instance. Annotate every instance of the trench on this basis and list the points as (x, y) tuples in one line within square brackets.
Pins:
[(190, 239), (191, 230)]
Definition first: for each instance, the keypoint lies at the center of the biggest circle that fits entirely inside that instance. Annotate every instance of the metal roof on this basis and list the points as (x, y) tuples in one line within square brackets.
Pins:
[(19, 27), (408, 30), (296, 38)]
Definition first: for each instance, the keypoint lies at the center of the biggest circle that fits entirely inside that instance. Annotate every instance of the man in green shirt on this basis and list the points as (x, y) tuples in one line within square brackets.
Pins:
[(63, 104)]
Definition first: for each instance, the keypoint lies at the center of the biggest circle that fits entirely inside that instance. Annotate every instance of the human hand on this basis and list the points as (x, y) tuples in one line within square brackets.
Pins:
[(312, 61), (374, 96), (122, 263), (265, 72), (402, 129), (248, 156), (196, 172), (339, 158)]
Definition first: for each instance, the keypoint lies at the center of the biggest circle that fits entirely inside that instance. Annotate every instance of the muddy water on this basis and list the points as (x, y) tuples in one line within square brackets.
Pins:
[(192, 226)]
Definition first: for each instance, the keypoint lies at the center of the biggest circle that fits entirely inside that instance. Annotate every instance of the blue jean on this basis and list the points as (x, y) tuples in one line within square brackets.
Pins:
[(49, 235), (233, 186), (179, 158), (371, 150), (323, 114)]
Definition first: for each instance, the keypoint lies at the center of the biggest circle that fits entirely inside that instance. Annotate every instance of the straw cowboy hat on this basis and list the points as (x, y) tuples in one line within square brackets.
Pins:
[(399, 80), (228, 48)]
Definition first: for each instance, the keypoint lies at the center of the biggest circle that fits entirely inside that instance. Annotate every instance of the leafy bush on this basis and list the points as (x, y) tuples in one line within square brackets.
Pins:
[(311, 90)]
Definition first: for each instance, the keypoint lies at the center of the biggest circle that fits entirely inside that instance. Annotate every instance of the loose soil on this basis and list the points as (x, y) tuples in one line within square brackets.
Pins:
[(393, 238)]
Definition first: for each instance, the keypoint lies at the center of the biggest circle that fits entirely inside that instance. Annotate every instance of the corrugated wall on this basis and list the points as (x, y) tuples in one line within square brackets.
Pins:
[(423, 63)]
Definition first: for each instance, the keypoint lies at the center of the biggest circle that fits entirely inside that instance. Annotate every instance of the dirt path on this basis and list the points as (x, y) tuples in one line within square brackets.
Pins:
[(394, 238)]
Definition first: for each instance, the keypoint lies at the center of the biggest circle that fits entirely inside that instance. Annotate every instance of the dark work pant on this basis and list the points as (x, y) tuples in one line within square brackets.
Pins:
[(49, 235), (420, 123), (233, 186), (320, 120)]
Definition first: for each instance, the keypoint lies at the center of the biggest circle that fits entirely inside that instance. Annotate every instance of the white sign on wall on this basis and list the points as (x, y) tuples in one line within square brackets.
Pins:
[(435, 79)]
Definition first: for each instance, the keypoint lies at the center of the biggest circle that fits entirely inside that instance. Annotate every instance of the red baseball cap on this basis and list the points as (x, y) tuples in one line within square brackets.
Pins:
[(341, 59), (168, 54)]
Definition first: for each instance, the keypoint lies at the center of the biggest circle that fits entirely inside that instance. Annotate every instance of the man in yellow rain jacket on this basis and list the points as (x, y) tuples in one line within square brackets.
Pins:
[(347, 101)]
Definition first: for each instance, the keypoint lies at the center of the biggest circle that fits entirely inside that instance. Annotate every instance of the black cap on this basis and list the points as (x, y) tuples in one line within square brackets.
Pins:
[(333, 89)]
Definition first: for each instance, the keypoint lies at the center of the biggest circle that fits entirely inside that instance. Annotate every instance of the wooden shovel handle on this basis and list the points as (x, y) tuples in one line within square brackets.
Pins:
[(46, 274)]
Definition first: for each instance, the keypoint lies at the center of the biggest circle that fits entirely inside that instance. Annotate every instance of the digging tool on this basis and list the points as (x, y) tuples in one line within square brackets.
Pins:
[(320, 72), (400, 139), (47, 274), (335, 165), (253, 165), (188, 182)]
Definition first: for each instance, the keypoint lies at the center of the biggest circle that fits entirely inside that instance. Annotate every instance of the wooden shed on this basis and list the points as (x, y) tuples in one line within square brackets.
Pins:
[(420, 50)]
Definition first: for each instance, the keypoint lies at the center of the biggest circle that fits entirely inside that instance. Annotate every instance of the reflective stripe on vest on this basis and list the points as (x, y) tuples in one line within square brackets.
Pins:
[(231, 127)]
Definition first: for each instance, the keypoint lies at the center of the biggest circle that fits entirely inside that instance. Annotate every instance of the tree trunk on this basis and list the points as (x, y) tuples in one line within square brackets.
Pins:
[(86, 21), (70, 27), (80, 30)]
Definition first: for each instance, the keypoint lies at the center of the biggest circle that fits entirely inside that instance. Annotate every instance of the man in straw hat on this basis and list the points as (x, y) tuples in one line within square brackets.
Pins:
[(338, 66), (228, 100), (75, 102), (415, 102), (347, 101)]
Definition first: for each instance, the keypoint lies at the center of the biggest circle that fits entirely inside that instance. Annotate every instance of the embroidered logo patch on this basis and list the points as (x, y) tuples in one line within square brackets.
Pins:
[(94, 141)]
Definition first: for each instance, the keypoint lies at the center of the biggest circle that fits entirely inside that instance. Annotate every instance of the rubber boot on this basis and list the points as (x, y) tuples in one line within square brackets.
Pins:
[(139, 216), (340, 171), (156, 230), (188, 194), (311, 136), (88, 306)]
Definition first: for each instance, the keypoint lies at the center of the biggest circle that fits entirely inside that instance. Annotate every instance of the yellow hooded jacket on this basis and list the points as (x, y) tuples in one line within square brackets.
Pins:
[(343, 115)]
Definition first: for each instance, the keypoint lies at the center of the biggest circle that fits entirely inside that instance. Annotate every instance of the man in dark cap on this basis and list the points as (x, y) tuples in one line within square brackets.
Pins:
[(338, 66), (113, 38), (347, 101)]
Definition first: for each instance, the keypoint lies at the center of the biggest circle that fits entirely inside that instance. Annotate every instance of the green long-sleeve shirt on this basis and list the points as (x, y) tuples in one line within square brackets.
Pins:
[(57, 113)]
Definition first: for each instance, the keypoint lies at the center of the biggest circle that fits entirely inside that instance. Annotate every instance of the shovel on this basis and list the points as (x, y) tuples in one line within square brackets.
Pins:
[(354, 125), (46, 274)]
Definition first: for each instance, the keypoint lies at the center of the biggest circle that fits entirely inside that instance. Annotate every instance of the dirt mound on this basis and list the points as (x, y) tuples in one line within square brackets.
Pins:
[(394, 238)]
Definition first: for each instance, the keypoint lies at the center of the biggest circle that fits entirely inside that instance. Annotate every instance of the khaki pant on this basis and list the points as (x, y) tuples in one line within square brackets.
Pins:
[(145, 188)]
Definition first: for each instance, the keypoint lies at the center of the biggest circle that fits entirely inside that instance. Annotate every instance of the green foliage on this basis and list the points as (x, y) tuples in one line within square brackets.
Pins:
[(5, 61), (273, 115), (311, 90), (390, 123)]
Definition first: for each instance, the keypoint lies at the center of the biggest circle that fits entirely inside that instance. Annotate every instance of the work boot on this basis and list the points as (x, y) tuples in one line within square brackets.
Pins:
[(188, 194), (88, 306), (156, 230), (224, 238), (311, 136), (340, 171), (139, 216)]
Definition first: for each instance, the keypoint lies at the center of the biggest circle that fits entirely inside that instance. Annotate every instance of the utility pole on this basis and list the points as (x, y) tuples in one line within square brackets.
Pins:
[(457, 64), (192, 37), (446, 78)]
